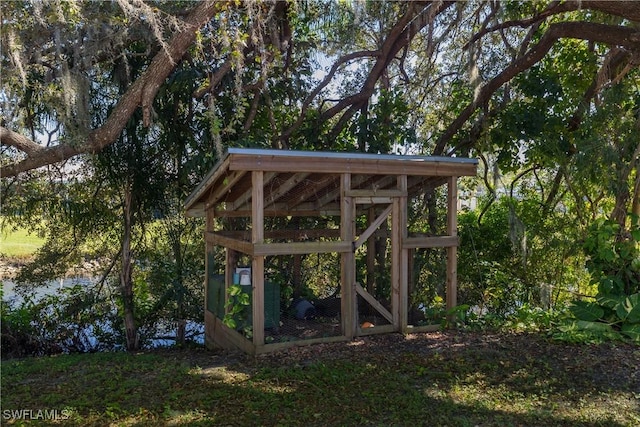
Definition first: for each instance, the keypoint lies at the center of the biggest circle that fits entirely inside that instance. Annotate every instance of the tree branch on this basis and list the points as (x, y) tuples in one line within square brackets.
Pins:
[(413, 21), (22, 143), (309, 99), (601, 33), (140, 93), (625, 9), (613, 60)]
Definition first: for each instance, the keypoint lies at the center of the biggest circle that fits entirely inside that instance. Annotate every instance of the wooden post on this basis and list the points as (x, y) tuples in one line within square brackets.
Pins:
[(348, 263), (257, 263), (452, 251), (399, 259), (209, 330), (404, 255), (208, 248)]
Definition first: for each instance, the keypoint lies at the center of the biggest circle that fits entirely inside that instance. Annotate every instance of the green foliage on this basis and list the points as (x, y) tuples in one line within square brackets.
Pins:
[(614, 257), (613, 263), (237, 307), (383, 128), (587, 311), (170, 274), (510, 255), (76, 319), (528, 318), (608, 317)]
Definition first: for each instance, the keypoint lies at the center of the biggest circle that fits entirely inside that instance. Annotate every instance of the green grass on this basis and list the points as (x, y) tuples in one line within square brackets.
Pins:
[(19, 243), (431, 379)]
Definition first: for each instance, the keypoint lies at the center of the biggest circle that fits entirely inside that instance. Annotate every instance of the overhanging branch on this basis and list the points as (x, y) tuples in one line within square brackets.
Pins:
[(13, 139), (611, 35), (140, 94)]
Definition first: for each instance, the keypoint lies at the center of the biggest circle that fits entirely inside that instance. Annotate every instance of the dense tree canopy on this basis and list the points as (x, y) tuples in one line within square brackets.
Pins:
[(455, 63)]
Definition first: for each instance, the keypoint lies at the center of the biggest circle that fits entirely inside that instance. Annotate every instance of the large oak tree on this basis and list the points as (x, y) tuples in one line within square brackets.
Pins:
[(175, 32)]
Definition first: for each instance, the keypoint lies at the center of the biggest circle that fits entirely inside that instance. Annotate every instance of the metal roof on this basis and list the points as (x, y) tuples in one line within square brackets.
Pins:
[(308, 182), (347, 155)]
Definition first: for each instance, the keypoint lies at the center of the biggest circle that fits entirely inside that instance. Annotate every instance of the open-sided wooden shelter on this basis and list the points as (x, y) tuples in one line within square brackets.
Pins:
[(250, 185)]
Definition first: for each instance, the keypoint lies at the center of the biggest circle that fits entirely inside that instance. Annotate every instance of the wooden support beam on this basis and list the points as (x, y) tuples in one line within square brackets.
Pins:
[(371, 252), (395, 265), (280, 190), (381, 182), (196, 210), (229, 243), (225, 337), (318, 185), (257, 263), (244, 213), (374, 303), (376, 193), (228, 184), (299, 235), (403, 260), (336, 194), (266, 249), (396, 242), (242, 202), (348, 262), (368, 200), (378, 329), (305, 207), (195, 198), (373, 227), (420, 184), (430, 242), (452, 230)]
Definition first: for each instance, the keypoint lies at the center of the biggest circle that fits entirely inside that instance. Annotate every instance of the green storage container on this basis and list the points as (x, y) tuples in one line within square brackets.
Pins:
[(216, 302), (215, 295), (271, 306)]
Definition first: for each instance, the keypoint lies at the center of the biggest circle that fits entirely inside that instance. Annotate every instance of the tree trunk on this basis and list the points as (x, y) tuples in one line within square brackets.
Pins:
[(131, 331), (179, 284), (181, 332), (635, 205)]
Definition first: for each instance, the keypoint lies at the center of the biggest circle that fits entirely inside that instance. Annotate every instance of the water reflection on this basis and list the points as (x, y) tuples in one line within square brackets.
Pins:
[(163, 332)]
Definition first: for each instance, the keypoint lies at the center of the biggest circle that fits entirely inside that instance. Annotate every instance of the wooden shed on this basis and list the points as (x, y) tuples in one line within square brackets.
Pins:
[(353, 198)]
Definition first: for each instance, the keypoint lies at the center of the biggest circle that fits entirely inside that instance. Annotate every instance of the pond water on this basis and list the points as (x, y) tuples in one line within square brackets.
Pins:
[(13, 294)]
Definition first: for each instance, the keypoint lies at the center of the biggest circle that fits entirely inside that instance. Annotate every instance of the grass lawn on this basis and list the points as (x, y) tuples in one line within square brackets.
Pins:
[(436, 379), (19, 243)]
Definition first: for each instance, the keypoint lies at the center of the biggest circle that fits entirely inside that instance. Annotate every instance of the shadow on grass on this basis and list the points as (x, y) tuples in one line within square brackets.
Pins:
[(459, 383)]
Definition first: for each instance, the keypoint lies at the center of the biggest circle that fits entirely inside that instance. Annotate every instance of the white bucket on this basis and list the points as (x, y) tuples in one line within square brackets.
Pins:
[(245, 278)]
